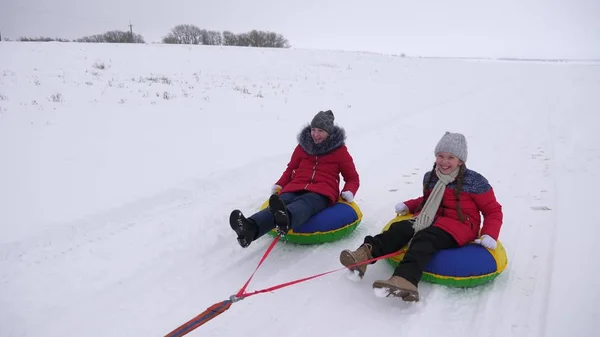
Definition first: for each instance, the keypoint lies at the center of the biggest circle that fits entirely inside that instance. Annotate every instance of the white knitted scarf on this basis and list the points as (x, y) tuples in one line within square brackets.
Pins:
[(427, 215)]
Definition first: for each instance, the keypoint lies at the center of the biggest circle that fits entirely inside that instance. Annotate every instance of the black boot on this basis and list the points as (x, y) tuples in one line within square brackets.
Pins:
[(244, 228), (279, 211)]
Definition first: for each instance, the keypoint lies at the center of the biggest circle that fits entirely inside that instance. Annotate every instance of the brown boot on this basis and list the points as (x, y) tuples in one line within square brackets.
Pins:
[(363, 253), (399, 287)]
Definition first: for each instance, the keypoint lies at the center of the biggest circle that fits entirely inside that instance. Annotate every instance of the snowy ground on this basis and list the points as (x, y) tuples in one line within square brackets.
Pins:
[(120, 165)]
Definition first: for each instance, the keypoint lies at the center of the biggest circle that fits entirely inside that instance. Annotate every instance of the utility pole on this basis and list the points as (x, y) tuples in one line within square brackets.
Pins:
[(130, 32)]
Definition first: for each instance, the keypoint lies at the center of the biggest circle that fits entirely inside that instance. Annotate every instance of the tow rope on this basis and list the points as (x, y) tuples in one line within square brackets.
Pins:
[(220, 307)]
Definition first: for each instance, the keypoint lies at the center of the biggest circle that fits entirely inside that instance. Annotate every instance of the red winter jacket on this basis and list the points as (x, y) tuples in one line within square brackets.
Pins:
[(477, 197), (317, 167)]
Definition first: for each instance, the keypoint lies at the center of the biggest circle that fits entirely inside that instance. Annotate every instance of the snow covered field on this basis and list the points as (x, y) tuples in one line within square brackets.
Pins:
[(120, 165)]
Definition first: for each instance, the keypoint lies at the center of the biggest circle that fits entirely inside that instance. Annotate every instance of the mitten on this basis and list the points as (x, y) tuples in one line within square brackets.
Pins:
[(486, 241), (275, 189), (348, 196), (401, 208)]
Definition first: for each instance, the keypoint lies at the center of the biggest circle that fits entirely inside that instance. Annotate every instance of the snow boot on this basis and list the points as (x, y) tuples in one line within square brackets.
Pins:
[(399, 287), (363, 253), (279, 211), (244, 228)]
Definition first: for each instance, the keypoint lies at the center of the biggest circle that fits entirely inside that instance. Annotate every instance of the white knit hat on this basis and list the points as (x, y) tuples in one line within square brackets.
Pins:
[(454, 143)]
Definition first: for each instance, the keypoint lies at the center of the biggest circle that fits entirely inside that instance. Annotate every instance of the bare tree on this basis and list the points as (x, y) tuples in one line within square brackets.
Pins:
[(188, 34), (274, 40), (98, 38), (203, 36), (213, 38), (42, 39), (113, 36), (258, 38), (229, 39), (243, 40), (184, 34), (116, 36)]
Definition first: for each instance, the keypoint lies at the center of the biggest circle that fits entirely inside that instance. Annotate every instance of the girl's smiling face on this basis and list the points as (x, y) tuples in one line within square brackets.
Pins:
[(318, 135), (447, 162)]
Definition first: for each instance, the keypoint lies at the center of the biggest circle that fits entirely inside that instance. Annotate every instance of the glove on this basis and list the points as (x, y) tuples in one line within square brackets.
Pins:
[(486, 241), (348, 196), (401, 208), (275, 189)]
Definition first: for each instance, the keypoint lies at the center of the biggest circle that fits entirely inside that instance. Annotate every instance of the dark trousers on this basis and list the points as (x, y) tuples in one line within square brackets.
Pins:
[(423, 246), (301, 206)]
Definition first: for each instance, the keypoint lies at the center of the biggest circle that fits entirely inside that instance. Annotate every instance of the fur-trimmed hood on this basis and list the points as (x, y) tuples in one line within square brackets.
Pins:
[(336, 139)]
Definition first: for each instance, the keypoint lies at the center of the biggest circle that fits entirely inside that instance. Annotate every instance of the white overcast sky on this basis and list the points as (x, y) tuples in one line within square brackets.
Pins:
[(498, 28)]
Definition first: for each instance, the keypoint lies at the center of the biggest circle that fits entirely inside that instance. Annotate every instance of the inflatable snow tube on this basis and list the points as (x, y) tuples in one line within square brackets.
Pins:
[(468, 266), (331, 224)]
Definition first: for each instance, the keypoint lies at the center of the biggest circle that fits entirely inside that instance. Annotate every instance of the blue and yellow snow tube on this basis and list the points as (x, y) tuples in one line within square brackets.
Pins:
[(331, 224), (468, 266)]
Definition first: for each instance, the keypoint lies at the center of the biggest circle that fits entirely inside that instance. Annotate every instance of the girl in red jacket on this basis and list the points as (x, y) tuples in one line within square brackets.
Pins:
[(447, 216), (308, 185)]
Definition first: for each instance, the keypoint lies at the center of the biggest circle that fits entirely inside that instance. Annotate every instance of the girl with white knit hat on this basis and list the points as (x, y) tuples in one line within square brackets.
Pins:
[(448, 215)]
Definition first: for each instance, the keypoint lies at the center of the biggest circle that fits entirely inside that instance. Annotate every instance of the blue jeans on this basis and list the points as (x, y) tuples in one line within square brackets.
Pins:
[(301, 206)]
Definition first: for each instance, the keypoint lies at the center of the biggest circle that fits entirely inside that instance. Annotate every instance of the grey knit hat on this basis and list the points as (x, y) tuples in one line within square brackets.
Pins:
[(454, 143), (323, 120)]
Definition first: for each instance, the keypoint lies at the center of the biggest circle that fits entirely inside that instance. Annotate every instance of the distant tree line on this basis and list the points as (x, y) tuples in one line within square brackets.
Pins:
[(184, 34), (190, 34), (41, 39), (113, 36)]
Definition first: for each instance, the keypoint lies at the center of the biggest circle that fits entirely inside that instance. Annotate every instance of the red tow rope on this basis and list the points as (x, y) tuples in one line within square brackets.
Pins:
[(220, 307), (241, 294)]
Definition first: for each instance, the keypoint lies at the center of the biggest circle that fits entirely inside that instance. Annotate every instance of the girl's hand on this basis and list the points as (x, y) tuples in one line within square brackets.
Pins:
[(486, 241), (401, 209)]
